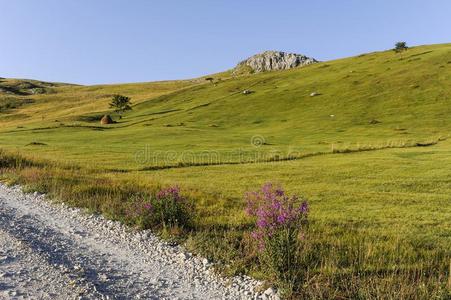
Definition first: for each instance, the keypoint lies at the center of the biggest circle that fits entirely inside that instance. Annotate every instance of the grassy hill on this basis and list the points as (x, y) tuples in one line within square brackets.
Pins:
[(370, 99), (370, 151)]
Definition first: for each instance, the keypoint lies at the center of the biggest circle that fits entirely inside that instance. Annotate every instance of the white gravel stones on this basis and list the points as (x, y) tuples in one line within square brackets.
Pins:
[(53, 251), (270, 293)]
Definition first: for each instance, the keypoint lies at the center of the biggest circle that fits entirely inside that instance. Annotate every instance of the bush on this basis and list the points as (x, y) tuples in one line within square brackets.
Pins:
[(167, 209), (280, 223), (170, 208), (140, 213)]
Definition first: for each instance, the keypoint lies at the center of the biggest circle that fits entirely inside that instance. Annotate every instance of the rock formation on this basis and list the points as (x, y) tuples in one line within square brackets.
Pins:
[(274, 60)]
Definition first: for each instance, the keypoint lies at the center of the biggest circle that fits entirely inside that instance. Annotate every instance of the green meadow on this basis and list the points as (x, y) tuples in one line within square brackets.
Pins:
[(371, 152)]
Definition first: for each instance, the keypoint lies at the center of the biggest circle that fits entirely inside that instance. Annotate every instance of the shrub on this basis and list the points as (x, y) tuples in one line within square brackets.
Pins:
[(280, 223), (167, 209), (140, 212), (171, 209)]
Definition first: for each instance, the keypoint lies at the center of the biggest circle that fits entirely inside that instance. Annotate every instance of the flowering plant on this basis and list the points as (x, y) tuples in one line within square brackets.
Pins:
[(280, 224), (170, 192), (171, 208), (168, 208), (274, 210)]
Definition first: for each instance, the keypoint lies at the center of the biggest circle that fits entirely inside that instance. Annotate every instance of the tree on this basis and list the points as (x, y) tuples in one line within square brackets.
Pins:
[(120, 103), (210, 79), (400, 46)]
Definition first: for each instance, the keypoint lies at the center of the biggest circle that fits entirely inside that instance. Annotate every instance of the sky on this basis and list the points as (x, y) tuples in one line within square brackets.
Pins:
[(112, 41)]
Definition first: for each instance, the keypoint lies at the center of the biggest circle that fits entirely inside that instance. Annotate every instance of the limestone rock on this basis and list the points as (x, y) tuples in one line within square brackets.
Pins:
[(274, 60)]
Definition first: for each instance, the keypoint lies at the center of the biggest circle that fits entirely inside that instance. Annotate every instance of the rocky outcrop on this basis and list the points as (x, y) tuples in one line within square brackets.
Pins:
[(274, 60)]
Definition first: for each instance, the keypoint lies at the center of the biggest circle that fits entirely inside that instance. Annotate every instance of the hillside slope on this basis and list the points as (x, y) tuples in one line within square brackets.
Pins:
[(375, 98), (48, 102)]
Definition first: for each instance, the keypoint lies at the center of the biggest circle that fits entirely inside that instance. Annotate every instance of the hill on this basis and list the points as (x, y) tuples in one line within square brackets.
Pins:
[(370, 99)]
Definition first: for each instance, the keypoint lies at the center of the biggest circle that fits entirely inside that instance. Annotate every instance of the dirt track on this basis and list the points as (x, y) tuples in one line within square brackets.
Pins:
[(50, 251)]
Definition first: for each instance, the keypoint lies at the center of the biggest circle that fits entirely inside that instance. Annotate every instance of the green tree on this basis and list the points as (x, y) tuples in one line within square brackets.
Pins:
[(120, 103), (400, 46)]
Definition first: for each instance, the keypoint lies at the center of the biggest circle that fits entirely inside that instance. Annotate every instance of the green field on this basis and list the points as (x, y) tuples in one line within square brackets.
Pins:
[(371, 153)]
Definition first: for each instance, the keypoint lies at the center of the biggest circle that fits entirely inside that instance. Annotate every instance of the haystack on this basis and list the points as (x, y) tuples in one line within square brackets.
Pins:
[(106, 119)]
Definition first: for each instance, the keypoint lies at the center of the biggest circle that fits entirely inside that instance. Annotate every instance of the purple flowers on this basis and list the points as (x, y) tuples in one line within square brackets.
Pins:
[(167, 208), (274, 210), (147, 206), (139, 208), (172, 192)]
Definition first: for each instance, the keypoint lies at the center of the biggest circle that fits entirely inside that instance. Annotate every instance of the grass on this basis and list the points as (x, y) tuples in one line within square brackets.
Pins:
[(371, 153), (371, 235)]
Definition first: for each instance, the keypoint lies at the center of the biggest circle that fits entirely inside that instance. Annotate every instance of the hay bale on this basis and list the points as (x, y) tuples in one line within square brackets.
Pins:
[(106, 119)]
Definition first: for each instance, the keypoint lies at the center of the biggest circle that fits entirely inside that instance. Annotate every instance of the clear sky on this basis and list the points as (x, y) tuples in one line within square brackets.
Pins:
[(110, 41)]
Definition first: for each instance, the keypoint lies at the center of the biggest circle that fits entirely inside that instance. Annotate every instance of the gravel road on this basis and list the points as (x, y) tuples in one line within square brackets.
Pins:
[(51, 251)]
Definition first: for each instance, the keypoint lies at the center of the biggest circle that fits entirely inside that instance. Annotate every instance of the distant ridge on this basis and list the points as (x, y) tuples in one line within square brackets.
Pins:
[(272, 61)]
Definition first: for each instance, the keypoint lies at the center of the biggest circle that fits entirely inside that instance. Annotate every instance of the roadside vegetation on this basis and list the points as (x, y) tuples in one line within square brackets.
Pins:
[(370, 153)]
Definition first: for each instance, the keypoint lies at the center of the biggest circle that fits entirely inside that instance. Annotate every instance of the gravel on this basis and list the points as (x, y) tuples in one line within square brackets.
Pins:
[(52, 251)]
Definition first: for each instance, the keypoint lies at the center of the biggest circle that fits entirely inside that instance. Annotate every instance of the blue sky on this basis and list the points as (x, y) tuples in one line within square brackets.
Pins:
[(110, 41)]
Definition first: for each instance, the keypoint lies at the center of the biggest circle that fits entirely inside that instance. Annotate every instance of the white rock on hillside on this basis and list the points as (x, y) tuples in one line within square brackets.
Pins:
[(275, 60)]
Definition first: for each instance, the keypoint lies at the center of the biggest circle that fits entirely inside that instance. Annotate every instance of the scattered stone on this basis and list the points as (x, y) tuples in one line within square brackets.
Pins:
[(314, 94), (183, 256), (103, 277)]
